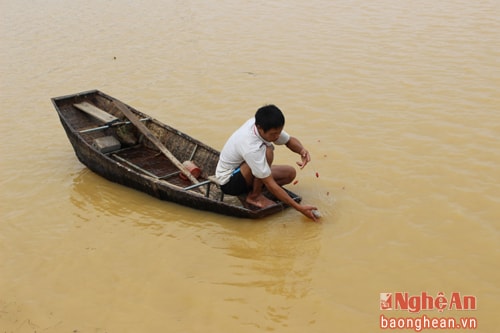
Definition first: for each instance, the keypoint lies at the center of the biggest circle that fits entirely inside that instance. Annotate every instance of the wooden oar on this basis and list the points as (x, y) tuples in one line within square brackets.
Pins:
[(141, 127)]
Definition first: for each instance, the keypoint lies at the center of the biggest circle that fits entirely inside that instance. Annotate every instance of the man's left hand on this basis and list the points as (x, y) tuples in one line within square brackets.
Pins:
[(306, 158)]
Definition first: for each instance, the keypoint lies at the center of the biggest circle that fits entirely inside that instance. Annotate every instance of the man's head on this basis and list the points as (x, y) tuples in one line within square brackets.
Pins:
[(268, 117), (270, 121)]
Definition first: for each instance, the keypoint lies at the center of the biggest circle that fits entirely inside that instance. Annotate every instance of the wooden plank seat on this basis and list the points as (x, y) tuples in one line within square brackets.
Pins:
[(95, 112)]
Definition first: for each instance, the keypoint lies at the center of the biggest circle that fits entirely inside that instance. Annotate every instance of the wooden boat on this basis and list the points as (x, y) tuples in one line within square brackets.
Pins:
[(128, 147)]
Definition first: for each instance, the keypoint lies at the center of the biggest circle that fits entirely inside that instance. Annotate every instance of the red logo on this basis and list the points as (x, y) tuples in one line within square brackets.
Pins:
[(385, 301), (425, 301)]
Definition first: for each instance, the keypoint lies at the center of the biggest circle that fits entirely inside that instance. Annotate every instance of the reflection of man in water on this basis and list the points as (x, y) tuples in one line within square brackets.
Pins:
[(245, 163)]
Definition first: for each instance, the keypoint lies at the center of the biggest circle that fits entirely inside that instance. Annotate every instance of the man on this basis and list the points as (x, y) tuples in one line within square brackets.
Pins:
[(245, 163)]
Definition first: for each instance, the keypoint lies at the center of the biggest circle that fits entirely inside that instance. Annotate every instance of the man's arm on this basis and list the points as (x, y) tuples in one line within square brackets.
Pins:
[(281, 194), (294, 145)]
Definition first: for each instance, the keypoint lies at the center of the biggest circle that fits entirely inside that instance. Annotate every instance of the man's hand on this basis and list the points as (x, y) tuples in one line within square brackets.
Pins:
[(305, 157), (308, 211)]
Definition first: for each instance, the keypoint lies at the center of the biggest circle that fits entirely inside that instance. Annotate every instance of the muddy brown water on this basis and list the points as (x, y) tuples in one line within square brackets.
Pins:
[(397, 102)]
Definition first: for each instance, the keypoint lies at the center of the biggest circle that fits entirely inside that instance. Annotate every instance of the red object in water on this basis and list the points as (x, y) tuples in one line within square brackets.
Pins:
[(295, 182), (317, 174)]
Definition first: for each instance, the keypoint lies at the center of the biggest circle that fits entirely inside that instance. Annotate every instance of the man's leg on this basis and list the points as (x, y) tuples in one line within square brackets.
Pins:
[(282, 174), (255, 197)]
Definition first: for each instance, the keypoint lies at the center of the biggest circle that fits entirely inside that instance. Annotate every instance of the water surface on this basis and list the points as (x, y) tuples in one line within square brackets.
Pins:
[(397, 102)]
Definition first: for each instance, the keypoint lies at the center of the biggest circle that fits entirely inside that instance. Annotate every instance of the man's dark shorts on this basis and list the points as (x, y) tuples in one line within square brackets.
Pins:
[(236, 185)]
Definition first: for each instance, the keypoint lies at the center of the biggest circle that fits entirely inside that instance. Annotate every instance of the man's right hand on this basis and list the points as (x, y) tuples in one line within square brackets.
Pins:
[(308, 211)]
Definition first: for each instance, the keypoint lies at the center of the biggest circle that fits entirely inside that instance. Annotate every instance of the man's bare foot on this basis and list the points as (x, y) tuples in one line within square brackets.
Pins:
[(260, 201)]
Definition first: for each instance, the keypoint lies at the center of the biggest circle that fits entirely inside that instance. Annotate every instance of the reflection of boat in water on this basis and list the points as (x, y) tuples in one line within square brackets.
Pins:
[(120, 150), (94, 197)]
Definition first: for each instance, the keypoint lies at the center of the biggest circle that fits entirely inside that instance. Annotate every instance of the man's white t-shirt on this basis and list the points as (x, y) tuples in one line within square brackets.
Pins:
[(246, 145)]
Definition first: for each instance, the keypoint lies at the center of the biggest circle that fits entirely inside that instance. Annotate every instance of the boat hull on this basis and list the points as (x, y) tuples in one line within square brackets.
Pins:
[(140, 166)]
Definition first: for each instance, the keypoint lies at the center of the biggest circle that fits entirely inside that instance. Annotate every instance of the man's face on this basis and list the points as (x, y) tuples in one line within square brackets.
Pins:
[(271, 135)]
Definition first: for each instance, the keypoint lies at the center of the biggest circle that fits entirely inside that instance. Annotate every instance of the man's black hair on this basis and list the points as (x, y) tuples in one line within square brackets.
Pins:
[(269, 116)]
